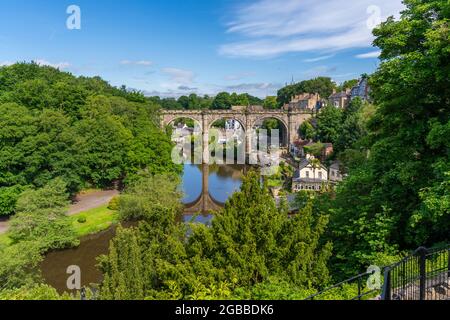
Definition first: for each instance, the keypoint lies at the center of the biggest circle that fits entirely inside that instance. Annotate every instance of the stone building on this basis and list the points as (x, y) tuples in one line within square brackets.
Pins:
[(305, 101), (361, 90), (340, 99), (335, 174)]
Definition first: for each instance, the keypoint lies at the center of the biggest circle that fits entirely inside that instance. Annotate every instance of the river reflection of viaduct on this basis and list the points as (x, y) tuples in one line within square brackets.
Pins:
[(291, 121), (205, 203)]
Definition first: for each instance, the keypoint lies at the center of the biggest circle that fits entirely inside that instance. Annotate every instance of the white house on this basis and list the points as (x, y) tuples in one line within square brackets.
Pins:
[(310, 176)]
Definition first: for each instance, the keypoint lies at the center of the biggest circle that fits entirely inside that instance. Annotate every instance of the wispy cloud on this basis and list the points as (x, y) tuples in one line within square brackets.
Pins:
[(239, 76), (179, 76), (274, 27), (319, 58), (136, 63), (186, 88), (319, 71), (368, 55)]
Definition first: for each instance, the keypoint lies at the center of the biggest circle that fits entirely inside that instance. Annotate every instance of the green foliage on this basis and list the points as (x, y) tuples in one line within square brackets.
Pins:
[(270, 103), (82, 219), (19, 265), (272, 289), (307, 131), (322, 85), (222, 101), (353, 127), (41, 218), (114, 203), (8, 199), (93, 221), (79, 129), (329, 124), (397, 198), (36, 292), (349, 84), (147, 193), (123, 268), (315, 149), (249, 243)]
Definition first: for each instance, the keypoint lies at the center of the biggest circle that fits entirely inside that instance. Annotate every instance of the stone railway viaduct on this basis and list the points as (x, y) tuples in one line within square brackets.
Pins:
[(249, 119)]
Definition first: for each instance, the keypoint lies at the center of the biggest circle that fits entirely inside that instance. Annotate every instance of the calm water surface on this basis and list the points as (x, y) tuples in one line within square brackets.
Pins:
[(221, 183)]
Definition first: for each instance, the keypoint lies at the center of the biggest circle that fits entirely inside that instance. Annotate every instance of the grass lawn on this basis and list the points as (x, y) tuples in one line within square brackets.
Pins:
[(97, 220), (4, 240)]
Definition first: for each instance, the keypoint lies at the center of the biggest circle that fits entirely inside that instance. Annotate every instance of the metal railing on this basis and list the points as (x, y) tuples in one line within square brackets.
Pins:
[(355, 288), (424, 275)]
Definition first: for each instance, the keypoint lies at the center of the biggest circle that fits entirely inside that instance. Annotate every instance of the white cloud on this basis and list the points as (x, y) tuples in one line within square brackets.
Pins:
[(137, 63), (368, 55), (275, 27), (319, 58), (58, 65), (179, 76)]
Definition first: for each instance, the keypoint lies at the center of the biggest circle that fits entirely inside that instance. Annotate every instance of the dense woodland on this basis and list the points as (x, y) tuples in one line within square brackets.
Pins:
[(79, 129), (59, 134)]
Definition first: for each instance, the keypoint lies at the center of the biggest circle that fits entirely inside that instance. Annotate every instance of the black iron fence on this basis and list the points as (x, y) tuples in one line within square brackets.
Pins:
[(359, 287), (424, 275)]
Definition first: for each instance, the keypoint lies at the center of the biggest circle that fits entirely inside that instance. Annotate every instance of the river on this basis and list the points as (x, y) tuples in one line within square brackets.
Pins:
[(220, 182)]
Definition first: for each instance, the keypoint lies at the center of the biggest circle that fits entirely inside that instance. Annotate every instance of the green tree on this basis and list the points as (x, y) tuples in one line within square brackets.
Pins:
[(41, 217), (19, 265), (250, 241), (222, 101), (147, 193), (348, 84), (329, 124), (385, 202), (322, 85), (270, 103), (307, 131), (353, 126)]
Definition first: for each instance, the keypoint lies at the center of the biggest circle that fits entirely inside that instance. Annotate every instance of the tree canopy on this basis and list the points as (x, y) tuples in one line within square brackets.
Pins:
[(82, 130), (397, 198), (250, 243)]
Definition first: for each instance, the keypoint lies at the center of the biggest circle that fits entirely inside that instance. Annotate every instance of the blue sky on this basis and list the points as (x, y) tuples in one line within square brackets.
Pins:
[(175, 47)]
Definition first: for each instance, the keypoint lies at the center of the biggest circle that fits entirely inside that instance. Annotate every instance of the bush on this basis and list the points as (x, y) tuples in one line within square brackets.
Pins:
[(82, 219), (114, 204), (8, 199), (37, 292), (148, 193), (19, 265)]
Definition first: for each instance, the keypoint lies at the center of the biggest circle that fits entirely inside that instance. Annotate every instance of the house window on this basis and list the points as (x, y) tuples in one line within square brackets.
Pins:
[(320, 175), (307, 174)]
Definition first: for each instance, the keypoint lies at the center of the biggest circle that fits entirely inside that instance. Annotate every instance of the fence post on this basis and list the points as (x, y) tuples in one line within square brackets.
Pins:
[(423, 271), (448, 263), (359, 288), (386, 294)]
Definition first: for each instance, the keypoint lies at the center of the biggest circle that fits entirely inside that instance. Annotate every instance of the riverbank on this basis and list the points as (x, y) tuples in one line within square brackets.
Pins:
[(89, 214), (94, 220)]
